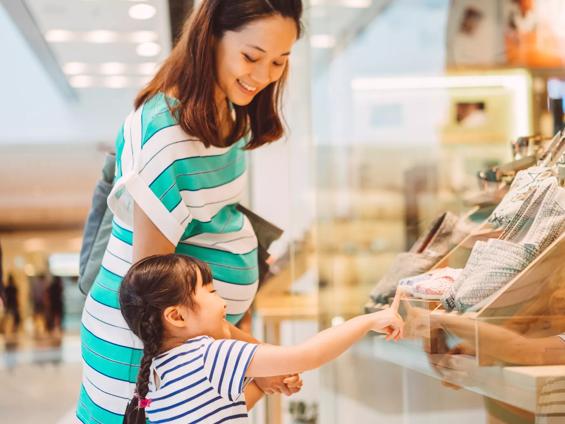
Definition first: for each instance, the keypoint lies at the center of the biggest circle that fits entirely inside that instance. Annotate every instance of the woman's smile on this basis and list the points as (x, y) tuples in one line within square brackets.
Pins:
[(246, 88)]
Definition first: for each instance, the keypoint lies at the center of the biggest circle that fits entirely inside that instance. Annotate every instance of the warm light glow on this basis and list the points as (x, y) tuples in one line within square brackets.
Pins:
[(116, 82), (101, 36), (356, 4), (112, 68), (59, 36), (142, 11), (143, 36), (517, 83), (148, 49), (81, 81), (322, 41), (147, 68), (74, 68)]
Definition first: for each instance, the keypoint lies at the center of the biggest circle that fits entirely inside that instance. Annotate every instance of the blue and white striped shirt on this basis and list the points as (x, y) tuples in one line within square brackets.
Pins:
[(200, 381)]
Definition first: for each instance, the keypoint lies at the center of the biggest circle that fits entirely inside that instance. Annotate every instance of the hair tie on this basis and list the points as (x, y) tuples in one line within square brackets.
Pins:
[(143, 403)]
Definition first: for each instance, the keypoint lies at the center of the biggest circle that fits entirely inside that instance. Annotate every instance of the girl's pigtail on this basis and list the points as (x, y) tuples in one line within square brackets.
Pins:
[(151, 333)]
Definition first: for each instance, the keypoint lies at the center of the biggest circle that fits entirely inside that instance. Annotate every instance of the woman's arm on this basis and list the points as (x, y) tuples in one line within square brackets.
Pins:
[(238, 334), (147, 239), (253, 394), (325, 346)]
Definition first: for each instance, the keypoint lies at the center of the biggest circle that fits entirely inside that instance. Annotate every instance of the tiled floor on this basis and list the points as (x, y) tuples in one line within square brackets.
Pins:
[(40, 385)]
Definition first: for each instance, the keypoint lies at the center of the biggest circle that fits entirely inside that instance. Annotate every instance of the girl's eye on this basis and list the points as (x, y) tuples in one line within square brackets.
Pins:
[(278, 64), (249, 58)]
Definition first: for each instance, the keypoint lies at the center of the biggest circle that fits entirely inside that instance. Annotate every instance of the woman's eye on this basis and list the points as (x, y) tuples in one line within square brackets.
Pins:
[(249, 58), (278, 64)]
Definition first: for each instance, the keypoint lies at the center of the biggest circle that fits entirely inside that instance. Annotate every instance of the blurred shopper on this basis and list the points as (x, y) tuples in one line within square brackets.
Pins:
[(181, 171), (2, 288), (12, 307), (39, 301), (55, 306)]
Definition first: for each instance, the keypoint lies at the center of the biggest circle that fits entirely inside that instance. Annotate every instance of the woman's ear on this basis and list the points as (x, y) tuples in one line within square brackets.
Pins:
[(174, 316)]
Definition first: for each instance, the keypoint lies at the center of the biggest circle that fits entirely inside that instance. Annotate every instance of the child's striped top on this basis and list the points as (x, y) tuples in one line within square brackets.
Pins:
[(200, 381)]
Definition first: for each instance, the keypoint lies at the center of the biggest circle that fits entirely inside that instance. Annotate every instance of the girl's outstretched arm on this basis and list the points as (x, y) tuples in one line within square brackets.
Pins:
[(325, 346)]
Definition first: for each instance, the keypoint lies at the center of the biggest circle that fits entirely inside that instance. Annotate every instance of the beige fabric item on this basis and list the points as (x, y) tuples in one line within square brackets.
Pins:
[(492, 264)]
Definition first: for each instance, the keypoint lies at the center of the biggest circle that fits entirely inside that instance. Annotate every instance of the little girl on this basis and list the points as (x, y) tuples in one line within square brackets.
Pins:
[(190, 371)]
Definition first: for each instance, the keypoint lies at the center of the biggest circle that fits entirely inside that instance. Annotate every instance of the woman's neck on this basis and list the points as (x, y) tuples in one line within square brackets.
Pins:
[(225, 120)]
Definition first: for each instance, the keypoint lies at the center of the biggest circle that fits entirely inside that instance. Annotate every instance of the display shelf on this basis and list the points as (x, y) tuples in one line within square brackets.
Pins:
[(528, 308), (539, 389)]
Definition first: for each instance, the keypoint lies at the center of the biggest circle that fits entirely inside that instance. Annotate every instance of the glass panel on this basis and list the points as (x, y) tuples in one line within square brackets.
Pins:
[(421, 117)]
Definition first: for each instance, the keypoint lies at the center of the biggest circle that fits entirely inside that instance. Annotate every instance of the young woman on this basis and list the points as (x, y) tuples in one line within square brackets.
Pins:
[(191, 372), (181, 170)]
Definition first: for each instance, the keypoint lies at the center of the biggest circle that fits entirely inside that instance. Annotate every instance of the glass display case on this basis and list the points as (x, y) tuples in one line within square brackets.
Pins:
[(404, 130)]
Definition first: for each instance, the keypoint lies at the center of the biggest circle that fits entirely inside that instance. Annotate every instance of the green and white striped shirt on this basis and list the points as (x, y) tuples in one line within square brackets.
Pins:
[(190, 193)]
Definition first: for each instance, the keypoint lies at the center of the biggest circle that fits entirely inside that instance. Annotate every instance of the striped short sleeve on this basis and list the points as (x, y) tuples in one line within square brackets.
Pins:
[(150, 175), (225, 364)]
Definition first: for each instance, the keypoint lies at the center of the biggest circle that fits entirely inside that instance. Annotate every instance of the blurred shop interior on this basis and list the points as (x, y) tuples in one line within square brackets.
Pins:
[(424, 138)]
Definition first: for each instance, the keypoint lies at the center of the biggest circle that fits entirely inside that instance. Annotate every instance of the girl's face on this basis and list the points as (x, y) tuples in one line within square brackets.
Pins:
[(249, 60), (209, 316)]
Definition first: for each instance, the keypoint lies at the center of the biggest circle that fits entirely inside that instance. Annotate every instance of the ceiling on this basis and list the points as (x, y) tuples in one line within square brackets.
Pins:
[(73, 72), (74, 68)]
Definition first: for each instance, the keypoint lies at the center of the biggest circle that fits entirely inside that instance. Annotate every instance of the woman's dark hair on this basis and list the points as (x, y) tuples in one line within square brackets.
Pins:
[(149, 287), (189, 73)]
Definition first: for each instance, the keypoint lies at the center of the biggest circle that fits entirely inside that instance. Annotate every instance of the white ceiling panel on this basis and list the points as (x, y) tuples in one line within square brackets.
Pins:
[(37, 111), (50, 155)]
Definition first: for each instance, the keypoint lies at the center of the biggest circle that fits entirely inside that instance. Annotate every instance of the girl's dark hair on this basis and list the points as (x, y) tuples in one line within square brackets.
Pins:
[(189, 73), (149, 287)]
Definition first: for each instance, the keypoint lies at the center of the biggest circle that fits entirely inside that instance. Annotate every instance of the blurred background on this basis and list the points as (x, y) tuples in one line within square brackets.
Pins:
[(393, 107)]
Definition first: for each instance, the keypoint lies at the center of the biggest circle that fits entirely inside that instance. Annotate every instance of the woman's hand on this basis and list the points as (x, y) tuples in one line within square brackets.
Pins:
[(285, 384), (388, 321)]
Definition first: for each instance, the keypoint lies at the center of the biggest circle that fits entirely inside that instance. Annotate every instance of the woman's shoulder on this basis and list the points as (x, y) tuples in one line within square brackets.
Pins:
[(156, 116)]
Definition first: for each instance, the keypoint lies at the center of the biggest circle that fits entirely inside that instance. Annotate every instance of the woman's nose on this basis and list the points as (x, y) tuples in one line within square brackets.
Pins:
[(262, 75)]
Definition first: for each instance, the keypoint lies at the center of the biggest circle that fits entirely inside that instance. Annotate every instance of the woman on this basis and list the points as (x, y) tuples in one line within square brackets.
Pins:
[(180, 173)]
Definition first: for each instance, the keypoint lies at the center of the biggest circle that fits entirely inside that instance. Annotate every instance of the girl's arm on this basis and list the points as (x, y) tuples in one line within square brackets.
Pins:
[(253, 394), (273, 383), (325, 346)]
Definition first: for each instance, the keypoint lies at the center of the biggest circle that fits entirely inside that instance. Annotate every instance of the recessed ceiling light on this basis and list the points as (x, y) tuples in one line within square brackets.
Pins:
[(144, 80), (148, 49), (112, 68), (59, 35), (147, 68), (101, 36), (322, 41), (116, 82), (142, 11), (357, 4), (81, 81), (74, 68), (143, 36)]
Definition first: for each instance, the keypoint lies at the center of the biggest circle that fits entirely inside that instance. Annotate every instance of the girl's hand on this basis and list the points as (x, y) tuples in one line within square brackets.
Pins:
[(293, 383), (388, 321)]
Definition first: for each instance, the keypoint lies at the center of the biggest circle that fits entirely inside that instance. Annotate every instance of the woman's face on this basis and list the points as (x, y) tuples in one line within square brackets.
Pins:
[(252, 58)]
